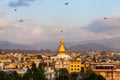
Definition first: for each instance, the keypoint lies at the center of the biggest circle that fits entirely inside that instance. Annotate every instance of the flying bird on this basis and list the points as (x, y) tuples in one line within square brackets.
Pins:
[(105, 18), (21, 20), (15, 9), (61, 31), (66, 3)]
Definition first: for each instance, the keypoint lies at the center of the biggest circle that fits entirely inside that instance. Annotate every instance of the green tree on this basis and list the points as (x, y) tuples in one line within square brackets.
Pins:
[(0, 52), (39, 57), (4, 76), (63, 74), (95, 76), (14, 76), (31, 73), (100, 77), (82, 72), (27, 75), (41, 72), (34, 73), (88, 73), (34, 68), (74, 76)]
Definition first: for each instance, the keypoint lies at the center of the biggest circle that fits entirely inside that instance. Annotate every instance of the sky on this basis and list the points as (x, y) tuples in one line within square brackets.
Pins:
[(32, 21)]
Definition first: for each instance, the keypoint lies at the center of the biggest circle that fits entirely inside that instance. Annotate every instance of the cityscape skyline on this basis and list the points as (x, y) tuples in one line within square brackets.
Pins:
[(31, 21)]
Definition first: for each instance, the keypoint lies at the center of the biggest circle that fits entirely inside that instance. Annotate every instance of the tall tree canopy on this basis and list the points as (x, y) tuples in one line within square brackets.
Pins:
[(35, 73), (90, 75), (4, 76), (63, 74)]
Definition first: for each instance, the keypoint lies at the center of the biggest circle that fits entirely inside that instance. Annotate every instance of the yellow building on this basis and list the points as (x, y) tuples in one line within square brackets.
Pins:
[(75, 65)]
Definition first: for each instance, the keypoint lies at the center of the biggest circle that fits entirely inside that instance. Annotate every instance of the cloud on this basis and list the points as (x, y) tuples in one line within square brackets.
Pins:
[(37, 31), (2, 31), (97, 27), (19, 33), (17, 3), (30, 32), (2, 22), (102, 28), (109, 25), (2, 13)]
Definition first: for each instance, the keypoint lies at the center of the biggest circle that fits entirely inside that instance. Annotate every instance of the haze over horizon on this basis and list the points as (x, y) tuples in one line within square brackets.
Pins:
[(32, 21)]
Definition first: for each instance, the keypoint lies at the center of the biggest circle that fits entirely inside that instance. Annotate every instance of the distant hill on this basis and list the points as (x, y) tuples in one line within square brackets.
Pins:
[(113, 42), (45, 45), (89, 47), (103, 44), (10, 45), (108, 42), (36, 46)]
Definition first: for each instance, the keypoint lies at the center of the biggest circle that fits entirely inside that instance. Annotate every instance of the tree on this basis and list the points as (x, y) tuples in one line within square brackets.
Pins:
[(4, 76), (63, 74), (41, 72), (40, 68), (31, 73), (34, 68), (88, 73), (14, 76), (0, 52), (27, 75), (74, 76), (95, 76), (39, 57), (82, 72), (100, 77), (34, 73)]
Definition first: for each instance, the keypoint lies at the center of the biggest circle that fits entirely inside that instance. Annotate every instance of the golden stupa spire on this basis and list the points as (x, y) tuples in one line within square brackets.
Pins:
[(62, 50)]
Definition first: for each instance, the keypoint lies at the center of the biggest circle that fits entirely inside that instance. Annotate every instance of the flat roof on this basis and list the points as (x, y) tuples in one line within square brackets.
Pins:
[(105, 65), (106, 70)]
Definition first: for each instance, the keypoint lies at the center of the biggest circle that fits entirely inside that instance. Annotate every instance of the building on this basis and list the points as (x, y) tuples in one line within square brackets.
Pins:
[(75, 65), (107, 70), (56, 62), (62, 58), (62, 53)]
